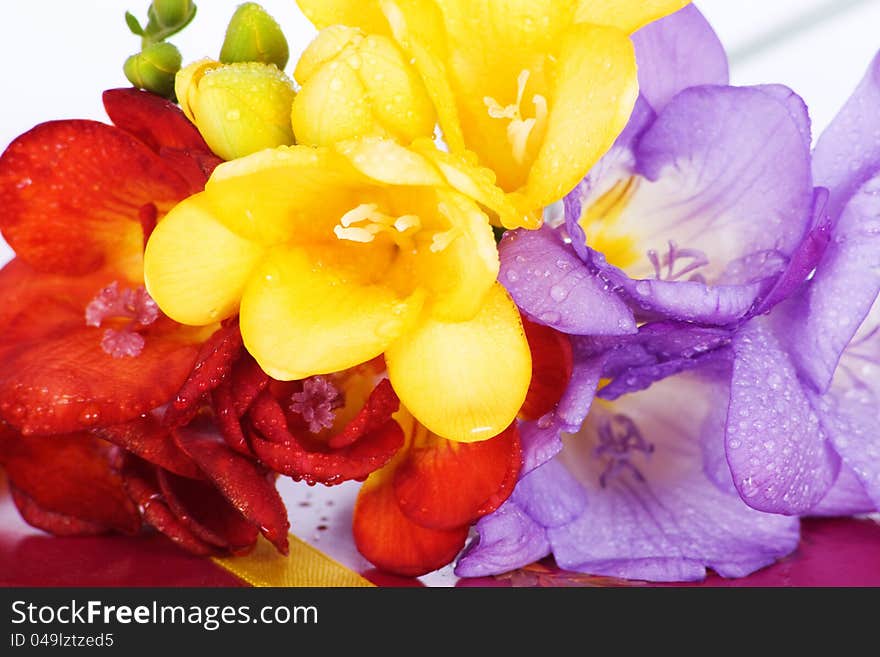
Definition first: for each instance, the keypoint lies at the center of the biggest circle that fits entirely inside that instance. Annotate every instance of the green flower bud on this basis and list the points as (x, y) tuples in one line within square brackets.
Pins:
[(165, 19), (154, 68), (254, 36), (172, 13)]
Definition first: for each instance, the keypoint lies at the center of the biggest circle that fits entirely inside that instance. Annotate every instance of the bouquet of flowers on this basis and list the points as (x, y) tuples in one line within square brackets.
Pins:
[(532, 271)]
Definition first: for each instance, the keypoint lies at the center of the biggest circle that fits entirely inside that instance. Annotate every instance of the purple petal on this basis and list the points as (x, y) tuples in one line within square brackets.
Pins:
[(507, 539), (677, 52), (823, 320), (847, 497), (850, 410), (797, 109), (550, 283), (804, 260), (658, 516), (848, 152), (658, 350), (550, 495), (541, 439), (775, 444)]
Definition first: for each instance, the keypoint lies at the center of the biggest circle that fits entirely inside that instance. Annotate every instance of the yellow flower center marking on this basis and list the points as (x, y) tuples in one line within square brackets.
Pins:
[(519, 129), (598, 221), (364, 222)]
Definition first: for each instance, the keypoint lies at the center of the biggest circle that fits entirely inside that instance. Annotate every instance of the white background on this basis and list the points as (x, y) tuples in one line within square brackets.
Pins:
[(56, 56)]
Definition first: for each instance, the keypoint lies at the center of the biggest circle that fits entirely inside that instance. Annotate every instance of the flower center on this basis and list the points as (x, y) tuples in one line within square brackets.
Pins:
[(664, 266), (519, 130), (619, 437), (135, 305), (317, 403), (364, 222)]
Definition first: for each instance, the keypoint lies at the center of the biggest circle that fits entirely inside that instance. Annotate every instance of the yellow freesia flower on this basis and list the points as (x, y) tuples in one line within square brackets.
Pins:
[(333, 256), (538, 89)]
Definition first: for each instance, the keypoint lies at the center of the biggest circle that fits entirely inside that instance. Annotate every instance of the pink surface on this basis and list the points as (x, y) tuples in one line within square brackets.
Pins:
[(837, 552)]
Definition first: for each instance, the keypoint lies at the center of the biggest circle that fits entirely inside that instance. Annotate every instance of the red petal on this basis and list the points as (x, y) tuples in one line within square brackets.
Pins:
[(142, 487), (212, 367), (228, 421), (381, 405), (163, 127), (68, 383), (80, 180), (552, 364), (193, 166), (70, 475), (394, 543), (239, 479), (306, 459), (148, 439), (232, 398), (152, 119), (442, 484), (248, 381), (49, 521), (36, 304), (207, 513)]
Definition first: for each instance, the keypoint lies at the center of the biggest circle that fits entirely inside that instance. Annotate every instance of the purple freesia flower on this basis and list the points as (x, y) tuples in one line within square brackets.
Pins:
[(752, 394)]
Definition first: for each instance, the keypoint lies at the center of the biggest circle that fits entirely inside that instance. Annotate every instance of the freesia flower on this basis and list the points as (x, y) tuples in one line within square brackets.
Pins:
[(668, 216), (84, 346), (638, 489), (538, 90), (336, 256)]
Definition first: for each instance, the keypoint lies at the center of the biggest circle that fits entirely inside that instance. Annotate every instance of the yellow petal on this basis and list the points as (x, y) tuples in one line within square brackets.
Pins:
[(417, 25), (277, 195), (386, 161), (194, 267), (325, 47), (364, 14), (463, 173), (331, 106), (186, 83), (464, 381), (400, 101), (461, 273), (593, 92), (321, 310), (626, 15)]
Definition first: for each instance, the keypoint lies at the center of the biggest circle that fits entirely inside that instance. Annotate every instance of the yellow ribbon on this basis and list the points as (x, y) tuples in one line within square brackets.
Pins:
[(303, 566)]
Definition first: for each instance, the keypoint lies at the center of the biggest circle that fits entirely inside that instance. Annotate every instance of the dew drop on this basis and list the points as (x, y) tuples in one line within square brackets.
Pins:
[(558, 293)]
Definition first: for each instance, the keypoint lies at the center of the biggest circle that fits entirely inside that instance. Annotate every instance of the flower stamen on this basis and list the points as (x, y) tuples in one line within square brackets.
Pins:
[(317, 403), (519, 130), (364, 222), (135, 305), (619, 436)]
